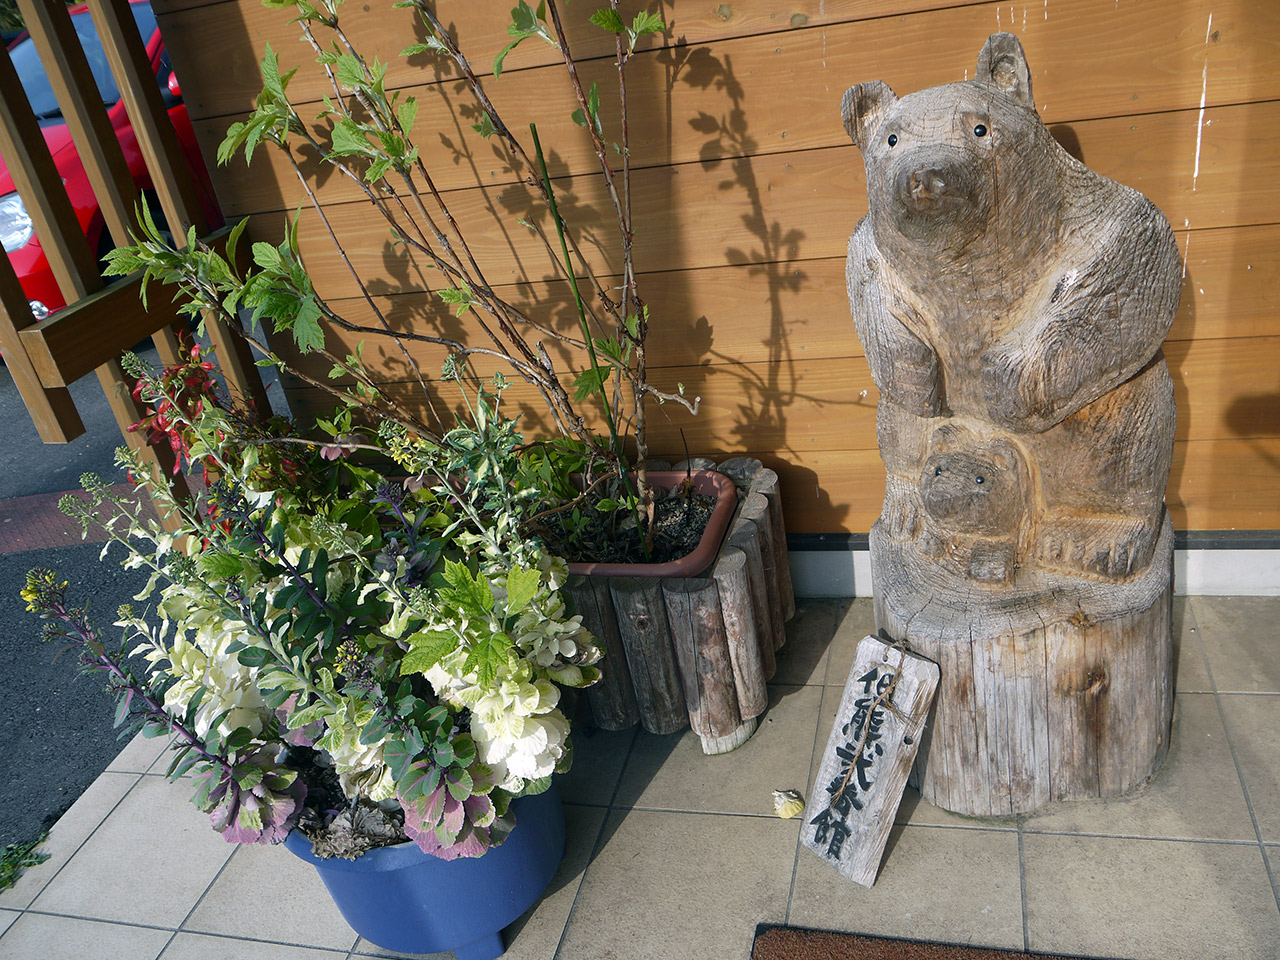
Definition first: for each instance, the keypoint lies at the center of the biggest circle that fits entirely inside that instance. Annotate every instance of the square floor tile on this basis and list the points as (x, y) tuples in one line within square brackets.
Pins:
[(672, 773), (1242, 641), (34, 936), (66, 836), (854, 620), (1254, 724), (803, 659), (536, 934), (140, 755), (935, 883), (1196, 794), (1192, 675), (149, 862), (1149, 899), (194, 946), (598, 758), (298, 911), (681, 886)]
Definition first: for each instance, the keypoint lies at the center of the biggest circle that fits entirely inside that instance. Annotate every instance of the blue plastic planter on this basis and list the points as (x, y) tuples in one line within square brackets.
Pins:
[(402, 899)]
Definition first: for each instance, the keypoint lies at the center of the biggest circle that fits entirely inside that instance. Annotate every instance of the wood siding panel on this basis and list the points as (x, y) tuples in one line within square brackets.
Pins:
[(785, 207), (1137, 58), (799, 310), (745, 201)]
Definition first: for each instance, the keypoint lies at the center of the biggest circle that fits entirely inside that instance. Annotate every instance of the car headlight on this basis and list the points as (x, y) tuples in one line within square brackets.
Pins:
[(15, 224)]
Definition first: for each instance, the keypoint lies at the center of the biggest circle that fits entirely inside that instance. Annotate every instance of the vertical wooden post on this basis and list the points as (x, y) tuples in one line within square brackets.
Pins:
[(765, 482), (650, 653), (742, 536), (730, 576), (170, 175), (613, 699), (755, 510), (706, 666), (70, 259)]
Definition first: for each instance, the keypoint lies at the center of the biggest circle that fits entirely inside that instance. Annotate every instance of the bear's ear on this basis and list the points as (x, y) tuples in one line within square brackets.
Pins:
[(1003, 65), (864, 106)]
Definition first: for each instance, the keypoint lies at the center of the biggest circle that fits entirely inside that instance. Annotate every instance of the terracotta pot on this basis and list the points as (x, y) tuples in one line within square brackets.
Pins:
[(706, 482)]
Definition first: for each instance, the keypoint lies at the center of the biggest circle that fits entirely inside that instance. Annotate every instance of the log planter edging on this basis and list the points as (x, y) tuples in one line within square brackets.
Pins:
[(695, 646)]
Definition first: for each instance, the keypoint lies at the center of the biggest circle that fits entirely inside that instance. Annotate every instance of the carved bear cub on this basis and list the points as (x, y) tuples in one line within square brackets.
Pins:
[(1011, 304)]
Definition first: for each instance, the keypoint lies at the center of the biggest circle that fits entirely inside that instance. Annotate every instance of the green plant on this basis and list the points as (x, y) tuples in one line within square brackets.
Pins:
[(365, 134), (16, 857), (395, 645)]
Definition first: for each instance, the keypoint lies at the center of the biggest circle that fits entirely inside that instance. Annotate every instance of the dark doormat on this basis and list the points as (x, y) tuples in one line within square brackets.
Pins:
[(793, 943)]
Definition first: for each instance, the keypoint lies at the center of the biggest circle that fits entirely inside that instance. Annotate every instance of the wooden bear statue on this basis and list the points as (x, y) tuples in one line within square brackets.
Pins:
[(1011, 304)]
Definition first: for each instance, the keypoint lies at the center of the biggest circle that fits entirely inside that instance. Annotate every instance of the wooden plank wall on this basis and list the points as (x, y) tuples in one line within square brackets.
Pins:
[(747, 189)]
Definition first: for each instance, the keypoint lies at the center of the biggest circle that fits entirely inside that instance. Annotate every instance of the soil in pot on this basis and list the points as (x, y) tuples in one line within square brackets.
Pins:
[(595, 533)]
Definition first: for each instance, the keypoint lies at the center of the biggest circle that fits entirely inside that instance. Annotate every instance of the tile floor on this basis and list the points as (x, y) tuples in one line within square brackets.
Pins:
[(674, 855)]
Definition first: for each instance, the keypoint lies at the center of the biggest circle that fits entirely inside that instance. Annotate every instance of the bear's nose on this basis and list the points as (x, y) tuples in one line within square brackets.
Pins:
[(927, 184)]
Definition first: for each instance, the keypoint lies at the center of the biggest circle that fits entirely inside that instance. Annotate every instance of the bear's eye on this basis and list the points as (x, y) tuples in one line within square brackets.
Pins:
[(980, 130), (893, 139), (979, 479)]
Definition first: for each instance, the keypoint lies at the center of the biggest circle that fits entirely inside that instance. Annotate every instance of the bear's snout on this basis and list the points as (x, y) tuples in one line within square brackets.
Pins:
[(927, 186), (932, 188)]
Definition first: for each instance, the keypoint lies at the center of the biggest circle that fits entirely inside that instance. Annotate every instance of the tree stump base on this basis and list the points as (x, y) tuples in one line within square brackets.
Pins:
[(1060, 689)]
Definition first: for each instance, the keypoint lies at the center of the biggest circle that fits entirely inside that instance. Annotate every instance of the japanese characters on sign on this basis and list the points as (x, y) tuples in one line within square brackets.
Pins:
[(864, 769), (854, 776)]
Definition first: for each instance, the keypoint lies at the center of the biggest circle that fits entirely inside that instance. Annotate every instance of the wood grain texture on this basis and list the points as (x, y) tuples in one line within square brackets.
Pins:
[(650, 652), (612, 699), (760, 270), (702, 650), (855, 796), (809, 192), (1036, 708), (1144, 63), (737, 608), (1012, 304)]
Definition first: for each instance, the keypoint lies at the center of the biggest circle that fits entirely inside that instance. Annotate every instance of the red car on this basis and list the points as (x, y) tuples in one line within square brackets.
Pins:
[(16, 234)]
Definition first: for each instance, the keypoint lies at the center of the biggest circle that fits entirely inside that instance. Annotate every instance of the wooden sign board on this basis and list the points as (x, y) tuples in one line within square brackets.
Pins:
[(869, 754)]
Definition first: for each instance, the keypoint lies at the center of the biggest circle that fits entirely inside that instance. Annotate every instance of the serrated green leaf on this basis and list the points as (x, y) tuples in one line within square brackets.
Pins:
[(407, 113), (425, 651), (522, 587), (487, 655), (307, 333), (220, 566), (502, 56), (590, 382), (267, 257), (608, 19), (349, 140)]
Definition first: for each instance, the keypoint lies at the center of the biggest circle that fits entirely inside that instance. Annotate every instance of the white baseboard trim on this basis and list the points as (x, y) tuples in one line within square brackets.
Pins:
[(1206, 573)]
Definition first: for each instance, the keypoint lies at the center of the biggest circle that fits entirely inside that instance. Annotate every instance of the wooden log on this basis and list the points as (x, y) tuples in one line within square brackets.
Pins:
[(1063, 693), (650, 653), (765, 482), (706, 667), (755, 509), (733, 585), (743, 536), (740, 470), (612, 699)]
